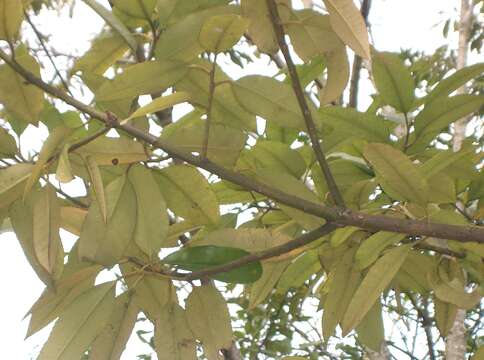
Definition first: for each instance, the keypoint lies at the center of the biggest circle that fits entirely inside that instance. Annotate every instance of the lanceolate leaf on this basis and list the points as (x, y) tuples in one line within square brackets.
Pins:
[(173, 337), (151, 216), (97, 186), (221, 32), (11, 16), (204, 257), (160, 103), (79, 325), (12, 182), (444, 315), (261, 289), (110, 344), (209, 319), (371, 247), (370, 331), (348, 23), (393, 81), (370, 289), (23, 100), (338, 75), (64, 171), (398, 176)]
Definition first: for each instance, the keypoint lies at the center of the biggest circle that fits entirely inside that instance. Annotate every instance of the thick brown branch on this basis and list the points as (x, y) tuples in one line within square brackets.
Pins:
[(301, 98), (346, 217)]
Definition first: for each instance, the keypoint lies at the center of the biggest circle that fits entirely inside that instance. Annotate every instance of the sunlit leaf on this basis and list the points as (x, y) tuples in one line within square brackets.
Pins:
[(11, 16), (161, 103), (221, 32)]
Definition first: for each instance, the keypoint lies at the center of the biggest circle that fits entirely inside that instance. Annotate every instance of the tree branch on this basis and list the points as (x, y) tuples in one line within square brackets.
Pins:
[(301, 98), (337, 215)]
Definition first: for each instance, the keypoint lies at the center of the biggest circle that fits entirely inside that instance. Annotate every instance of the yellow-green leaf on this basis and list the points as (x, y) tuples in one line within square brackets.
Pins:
[(79, 325), (8, 146), (371, 247), (12, 181), (370, 330), (370, 289), (11, 16), (444, 315), (396, 173), (112, 151), (209, 319), (260, 27), (161, 103), (22, 99), (97, 186), (348, 23), (173, 337), (151, 215), (221, 32), (271, 273), (56, 137), (338, 75), (64, 171), (393, 81)]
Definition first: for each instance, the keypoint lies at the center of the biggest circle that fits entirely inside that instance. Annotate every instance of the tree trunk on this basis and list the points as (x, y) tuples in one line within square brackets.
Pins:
[(455, 344), (464, 33)]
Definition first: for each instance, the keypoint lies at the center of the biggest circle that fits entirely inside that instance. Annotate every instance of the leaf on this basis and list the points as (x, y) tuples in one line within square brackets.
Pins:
[(445, 314), (198, 258), (348, 23), (78, 326), (11, 16), (398, 176), (64, 172), (371, 247), (110, 343), (456, 80), (114, 22), (354, 123), (97, 186), (52, 303), (151, 216), (269, 98), (149, 77), (105, 243), (393, 81), (142, 9), (371, 332), (271, 274), (161, 103), (441, 112), (338, 76), (72, 219), (111, 151), (56, 138), (260, 27), (12, 182), (188, 194), (224, 144), (8, 145), (46, 239), (370, 289), (105, 50), (221, 32), (23, 100), (173, 338), (301, 269), (345, 278), (209, 319)]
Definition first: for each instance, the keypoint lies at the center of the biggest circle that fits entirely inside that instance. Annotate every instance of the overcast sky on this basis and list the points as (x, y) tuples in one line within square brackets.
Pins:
[(396, 24)]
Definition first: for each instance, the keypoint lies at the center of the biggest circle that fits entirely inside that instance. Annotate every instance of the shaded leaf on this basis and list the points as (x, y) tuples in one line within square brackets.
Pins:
[(12, 182), (261, 289), (370, 330), (97, 186), (8, 145), (64, 171)]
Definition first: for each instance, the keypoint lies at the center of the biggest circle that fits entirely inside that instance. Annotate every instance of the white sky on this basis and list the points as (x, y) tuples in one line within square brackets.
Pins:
[(396, 24)]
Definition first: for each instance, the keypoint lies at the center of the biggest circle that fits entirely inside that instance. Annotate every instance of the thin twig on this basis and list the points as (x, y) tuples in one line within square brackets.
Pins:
[(426, 324), (298, 90), (211, 91)]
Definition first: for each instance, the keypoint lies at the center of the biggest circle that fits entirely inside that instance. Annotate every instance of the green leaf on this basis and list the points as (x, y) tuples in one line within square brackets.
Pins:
[(445, 314), (338, 76), (204, 257), (56, 138), (219, 33), (141, 79), (261, 289), (354, 123), (393, 81), (455, 81), (111, 151), (260, 27), (161, 103), (370, 289), (371, 247), (64, 172), (114, 22), (97, 186), (23, 100), (111, 342), (105, 243), (371, 332), (396, 173), (46, 239), (140, 9), (173, 337), (105, 50), (11, 16), (299, 271), (188, 194), (348, 23), (12, 182), (209, 319), (441, 112), (8, 145), (79, 325), (269, 98), (151, 216)]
